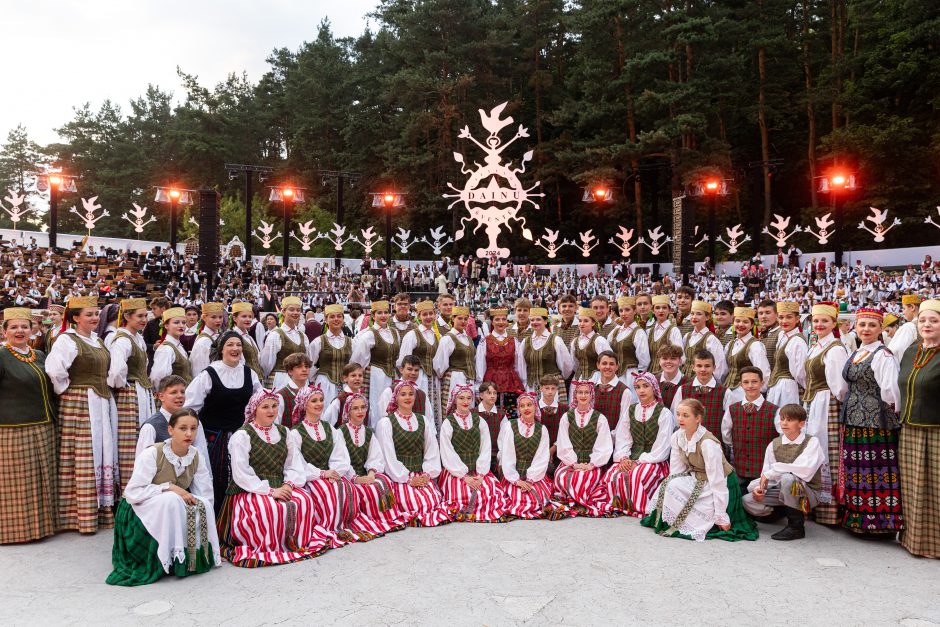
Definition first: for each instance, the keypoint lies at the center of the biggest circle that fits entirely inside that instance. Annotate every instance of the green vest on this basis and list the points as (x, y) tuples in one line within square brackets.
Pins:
[(331, 361), (289, 347), (540, 362), (643, 433), (688, 369), (25, 391), (136, 363), (250, 353), (409, 445), (625, 350), (696, 459), (655, 345), (463, 359), (425, 352), (466, 442), (526, 448), (267, 460), (316, 452), (781, 367), (384, 354), (816, 372), (586, 358), (358, 455), (582, 438), (181, 366), (737, 361), (90, 367), (920, 387), (166, 473), (787, 454)]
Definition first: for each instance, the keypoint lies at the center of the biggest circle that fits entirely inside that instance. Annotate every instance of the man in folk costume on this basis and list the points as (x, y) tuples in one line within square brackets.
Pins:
[(685, 297), (455, 360), (376, 349), (605, 320), (769, 322), (521, 328), (445, 308), (670, 379), (723, 312), (410, 368), (701, 337), (586, 347), (748, 426), (907, 334), (567, 328), (628, 340), (543, 353), (496, 359), (704, 387), (422, 342), (209, 328), (284, 340), (330, 353), (612, 397), (788, 376), (56, 313), (746, 350), (662, 330), (243, 316), (402, 320)]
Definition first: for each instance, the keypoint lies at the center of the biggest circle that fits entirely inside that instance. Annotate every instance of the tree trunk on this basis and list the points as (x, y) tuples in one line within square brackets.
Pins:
[(631, 134), (810, 108), (764, 135)]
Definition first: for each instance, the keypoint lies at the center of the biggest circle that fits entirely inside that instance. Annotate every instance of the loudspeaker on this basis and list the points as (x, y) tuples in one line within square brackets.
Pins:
[(209, 234)]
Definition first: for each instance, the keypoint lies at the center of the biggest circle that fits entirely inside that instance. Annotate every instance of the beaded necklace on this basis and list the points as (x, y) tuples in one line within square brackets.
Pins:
[(315, 427), (923, 356), (28, 358)]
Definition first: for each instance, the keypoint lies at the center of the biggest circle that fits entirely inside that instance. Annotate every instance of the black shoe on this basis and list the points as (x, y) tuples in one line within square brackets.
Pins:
[(794, 529)]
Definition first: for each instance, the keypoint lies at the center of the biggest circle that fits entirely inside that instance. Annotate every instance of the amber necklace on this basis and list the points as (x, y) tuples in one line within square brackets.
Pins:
[(923, 356), (28, 358)]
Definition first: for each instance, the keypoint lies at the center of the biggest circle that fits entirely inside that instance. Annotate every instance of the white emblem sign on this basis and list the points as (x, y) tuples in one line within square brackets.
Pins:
[(493, 194)]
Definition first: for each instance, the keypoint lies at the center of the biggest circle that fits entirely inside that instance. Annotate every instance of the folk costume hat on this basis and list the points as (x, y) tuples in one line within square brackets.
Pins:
[(499, 311), (826, 309), (788, 307), (17, 313), (910, 299), (82, 302), (393, 403), (347, 405), (238, 308), (701, 305), (255, 401), (213, 308), (291, 301), (930, 305), (173, 312), (381, 305), (587, 312), (583, 383), (335, 308), (652, 381), (460, 311), (538, 312), (299, 412), (457, 391), (745, 312), (660, 299), (535, 401), (626, 301), (869, 312), (424, 305)]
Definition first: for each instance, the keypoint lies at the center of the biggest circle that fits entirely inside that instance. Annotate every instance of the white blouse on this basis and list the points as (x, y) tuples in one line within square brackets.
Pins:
[(507, 451), (603, 445), (339, 456), (394, 468), (661, 446), (232, 377), (449, 458), (239, 448)]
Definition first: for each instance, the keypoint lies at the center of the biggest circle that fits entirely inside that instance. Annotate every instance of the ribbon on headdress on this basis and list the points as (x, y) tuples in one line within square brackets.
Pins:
[(579, 383), (347, 405), (535, 401)]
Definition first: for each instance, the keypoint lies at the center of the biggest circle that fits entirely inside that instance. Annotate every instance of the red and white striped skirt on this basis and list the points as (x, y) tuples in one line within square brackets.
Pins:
[(582, 490), (629, 492), (537, 503), (257, 530), (488, 504), (338, 510), (421, 507), (377, 508)]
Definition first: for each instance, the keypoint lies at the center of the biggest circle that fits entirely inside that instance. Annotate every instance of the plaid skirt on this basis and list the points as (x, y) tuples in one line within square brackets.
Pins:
[(828, 513), (919, 456), (78, 482), (27, 483), (870, 487), (128, 420)]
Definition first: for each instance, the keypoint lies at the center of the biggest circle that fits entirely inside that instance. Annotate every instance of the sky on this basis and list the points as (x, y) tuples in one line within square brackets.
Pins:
[(55, 56)]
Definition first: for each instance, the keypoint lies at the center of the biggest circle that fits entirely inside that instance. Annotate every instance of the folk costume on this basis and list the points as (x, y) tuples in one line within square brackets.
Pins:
[(496, 357), (644, 437), (86, 431), (700, 493), (661, 333), (710, 394), (329, 353), (698, 339), (156, 533), (28, 496), (584, 351), (741, 353), (170, 356), (200, 355), (629, 342), (747, 428), (255, 528), (794, 472), (157, 429), (409, 446), (612, 398), (541, 355), (422, 342), (284, 340), (251, 354), (668, 388), (455, 361), (583, 438), (789, 371), (376, 350)]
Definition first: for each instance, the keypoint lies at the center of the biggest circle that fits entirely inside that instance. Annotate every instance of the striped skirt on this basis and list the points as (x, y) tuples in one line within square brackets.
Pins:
[(488, 504), (81, 480), (27, 483), (582, 490), (127, 428), (871, 487), (535, 503), (377, 505), (629, 492), (919, 455), (256, 530), (420, 507), (828, 513), (338, 511)]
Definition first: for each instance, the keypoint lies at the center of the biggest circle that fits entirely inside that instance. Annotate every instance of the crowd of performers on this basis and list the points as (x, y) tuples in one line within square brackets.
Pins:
[(696, 419)]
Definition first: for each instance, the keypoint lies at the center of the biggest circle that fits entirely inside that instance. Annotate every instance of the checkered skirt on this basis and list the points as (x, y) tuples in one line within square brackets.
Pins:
[(828, 513), (126, 400), (27, 483), (919, 456)]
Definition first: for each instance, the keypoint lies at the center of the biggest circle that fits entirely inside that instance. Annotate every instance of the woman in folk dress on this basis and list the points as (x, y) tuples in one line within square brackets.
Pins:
[(87, 428), (373, 488), (471, 492), (266, 517), (170, 356), (127, 376), (641, 457), (376, 349), (524, 456), (412, 460), (584, 448)]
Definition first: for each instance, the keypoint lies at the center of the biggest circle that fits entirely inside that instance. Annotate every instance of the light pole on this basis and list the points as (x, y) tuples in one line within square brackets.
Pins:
[(601, 193), (174, 196), (57, 183), (263, 172), (713, 188), (836, 183), (388, 200), (287, 199)]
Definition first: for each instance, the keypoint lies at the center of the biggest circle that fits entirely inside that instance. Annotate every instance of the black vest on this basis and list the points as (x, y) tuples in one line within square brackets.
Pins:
[(224, 408)]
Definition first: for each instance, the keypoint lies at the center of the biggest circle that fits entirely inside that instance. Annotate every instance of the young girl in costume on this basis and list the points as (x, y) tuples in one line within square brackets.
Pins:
[(165, 523)]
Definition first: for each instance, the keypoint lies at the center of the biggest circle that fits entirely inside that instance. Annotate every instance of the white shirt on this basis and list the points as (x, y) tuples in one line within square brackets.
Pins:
[(239, 447), (272, 345), (445, 350), (61, 356), (507, 451), (713, 344), (603, 445), (339, 456), (163, 359), (804, 466), (659, 452), (365, 342), (714, 469), (232, 377), (314, 348), (202, 350), (640, 343), (394, 468), (903, 338), (449, 458)]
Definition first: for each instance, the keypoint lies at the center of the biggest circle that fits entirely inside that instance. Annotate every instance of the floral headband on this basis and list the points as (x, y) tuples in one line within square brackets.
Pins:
[(347, 405), (584, 383), (458, 389), (255, 401), (393, 404), (535, 400), (653, 383), (299, 412)]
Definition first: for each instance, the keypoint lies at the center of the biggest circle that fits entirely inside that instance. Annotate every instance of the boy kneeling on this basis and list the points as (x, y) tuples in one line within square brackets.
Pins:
[(791, 475)]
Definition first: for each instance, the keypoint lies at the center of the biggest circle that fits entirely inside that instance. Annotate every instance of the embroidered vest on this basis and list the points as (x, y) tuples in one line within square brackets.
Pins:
[(89, 369), (289, 347), (816, 372), (526, 448), (643, 433), (250, 353), (586, 358), (358, 454), (331, 361), (181, 365), (409, 445), (539, 362), (781, 367), (739, 360), (750, 435), (316, 452), (166, 473), (696, 459), (863, 406), (582, 438), (136, 363), (625, 349), (466, 442), (267, 460), (384, 353), (788, 453), (769, 340), (425, 352)]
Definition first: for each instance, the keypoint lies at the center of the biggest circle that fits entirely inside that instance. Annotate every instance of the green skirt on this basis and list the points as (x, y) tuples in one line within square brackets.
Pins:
[(134, 554), (742, 526)]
